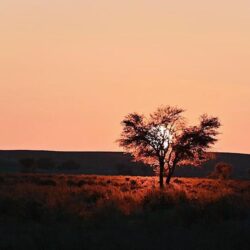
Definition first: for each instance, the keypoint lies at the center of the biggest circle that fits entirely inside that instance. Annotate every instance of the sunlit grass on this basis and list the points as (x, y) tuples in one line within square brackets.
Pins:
[(84, 195), (112, 212)]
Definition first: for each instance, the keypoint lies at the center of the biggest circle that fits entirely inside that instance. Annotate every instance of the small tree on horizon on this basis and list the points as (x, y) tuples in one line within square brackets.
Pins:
[(222, 170), (164, 140)]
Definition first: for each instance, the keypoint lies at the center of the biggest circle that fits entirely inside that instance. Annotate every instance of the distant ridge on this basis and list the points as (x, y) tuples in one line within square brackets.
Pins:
[(117, 163)]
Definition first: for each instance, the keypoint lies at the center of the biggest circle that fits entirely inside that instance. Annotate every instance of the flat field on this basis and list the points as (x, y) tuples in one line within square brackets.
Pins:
[(121, 212)]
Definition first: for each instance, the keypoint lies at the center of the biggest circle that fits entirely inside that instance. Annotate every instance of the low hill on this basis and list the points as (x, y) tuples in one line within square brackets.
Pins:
[(115, 163)]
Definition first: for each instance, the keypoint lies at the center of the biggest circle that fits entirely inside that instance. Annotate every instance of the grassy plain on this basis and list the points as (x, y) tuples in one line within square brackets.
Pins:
[(41, 211)]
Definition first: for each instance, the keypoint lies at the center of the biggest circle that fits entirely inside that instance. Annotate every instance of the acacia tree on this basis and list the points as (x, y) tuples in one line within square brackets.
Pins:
[(164, 140)]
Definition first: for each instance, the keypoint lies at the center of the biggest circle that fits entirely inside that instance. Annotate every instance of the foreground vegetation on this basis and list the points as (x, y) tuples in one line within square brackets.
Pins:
[(96, 212)]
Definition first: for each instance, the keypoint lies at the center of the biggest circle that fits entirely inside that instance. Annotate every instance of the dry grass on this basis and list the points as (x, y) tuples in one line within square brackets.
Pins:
[(92, 209), (83, 195)]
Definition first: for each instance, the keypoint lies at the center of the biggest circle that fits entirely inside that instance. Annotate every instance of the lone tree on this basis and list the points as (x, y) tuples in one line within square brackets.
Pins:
[(164, 140)]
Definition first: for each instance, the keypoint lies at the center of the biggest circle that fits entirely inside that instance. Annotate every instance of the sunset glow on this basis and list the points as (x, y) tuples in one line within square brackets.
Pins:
[(71, 70), (163, 134)]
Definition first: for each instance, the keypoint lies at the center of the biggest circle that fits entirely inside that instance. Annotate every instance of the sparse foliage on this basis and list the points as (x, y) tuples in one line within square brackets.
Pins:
[(164, 140)]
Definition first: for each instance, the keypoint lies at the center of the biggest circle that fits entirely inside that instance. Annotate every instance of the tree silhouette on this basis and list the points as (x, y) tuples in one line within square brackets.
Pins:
[(164, 140)]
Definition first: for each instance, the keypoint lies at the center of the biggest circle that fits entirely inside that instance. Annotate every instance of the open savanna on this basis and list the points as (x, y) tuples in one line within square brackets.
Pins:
[(41, 211)]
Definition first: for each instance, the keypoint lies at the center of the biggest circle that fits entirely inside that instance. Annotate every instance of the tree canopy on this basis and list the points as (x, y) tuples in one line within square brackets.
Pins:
[(164, 139)]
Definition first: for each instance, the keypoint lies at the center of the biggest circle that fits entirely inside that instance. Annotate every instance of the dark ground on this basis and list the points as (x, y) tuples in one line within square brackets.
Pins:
[(96, 212), (116, 163)]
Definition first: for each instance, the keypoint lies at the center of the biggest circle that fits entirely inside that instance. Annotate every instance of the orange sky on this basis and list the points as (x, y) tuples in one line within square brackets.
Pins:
[(71, 70)]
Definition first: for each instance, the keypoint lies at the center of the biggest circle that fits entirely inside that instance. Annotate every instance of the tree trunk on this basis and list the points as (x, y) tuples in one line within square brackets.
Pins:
[(170, 174), (161, 174), (168, 178)]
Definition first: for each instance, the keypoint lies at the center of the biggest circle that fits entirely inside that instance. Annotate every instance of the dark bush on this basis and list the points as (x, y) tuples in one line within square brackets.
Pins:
[(222, 171), (158, 200)]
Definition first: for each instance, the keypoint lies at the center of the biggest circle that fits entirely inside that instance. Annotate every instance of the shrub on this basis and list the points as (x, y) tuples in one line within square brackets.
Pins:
[(158, 200), (222, 171)]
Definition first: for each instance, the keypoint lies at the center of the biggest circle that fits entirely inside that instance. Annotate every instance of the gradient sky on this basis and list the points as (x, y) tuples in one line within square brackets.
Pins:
[(71, 70)]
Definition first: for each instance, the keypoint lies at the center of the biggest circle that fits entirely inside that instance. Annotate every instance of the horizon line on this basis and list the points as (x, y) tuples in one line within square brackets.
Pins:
[(100, 151)]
